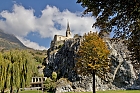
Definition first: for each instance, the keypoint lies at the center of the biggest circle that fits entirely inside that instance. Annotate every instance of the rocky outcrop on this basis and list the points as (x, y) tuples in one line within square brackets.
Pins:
[(62, 60), (122, 75), (122, 69), (63, 85)]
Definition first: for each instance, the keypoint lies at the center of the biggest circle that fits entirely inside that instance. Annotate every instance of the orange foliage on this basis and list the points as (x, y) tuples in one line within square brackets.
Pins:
[(92, 55)]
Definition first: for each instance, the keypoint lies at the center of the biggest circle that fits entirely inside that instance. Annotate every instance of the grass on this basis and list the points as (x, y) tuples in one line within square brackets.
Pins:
[(33, 91), (120, 91)]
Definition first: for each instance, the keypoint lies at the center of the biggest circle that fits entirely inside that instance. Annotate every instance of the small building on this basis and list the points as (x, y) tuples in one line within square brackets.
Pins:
[(37, 81)]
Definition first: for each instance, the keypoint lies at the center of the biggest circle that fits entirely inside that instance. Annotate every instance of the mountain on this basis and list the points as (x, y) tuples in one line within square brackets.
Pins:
[(9, 41)]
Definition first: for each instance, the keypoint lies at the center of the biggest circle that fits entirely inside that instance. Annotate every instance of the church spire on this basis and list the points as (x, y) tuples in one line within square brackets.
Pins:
[(68, 27), (68, 32)]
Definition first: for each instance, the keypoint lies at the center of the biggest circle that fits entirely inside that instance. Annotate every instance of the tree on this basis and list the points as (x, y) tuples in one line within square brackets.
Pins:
[(21, 68), (122, 17), (5, 66), (93, 57)]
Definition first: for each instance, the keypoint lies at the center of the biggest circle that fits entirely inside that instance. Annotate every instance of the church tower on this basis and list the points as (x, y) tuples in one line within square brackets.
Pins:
[(68, 32)]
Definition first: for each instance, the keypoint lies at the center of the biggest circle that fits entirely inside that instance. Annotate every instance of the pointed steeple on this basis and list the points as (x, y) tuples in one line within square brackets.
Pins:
[(68, 32), (68, 27)]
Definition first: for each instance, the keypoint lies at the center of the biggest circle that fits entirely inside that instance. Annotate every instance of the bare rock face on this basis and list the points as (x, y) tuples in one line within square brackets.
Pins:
[(122, 75), (63, 85), (122, 69)]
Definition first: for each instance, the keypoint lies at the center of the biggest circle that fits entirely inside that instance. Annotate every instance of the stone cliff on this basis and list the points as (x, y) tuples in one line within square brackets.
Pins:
[(122, 76)]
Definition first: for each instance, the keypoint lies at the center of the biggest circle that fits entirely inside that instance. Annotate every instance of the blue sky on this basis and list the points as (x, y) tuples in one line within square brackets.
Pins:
[(35, 22)]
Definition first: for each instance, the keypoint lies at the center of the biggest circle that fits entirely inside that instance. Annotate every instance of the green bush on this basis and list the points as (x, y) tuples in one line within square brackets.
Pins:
[(54, 76), (49, 85)]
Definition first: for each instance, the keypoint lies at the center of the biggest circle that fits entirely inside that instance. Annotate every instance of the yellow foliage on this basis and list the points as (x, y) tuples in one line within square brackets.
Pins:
[(92, 55)]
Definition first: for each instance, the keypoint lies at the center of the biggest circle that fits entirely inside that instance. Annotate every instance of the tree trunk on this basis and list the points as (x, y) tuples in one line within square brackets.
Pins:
[(2, 91), (42, 85), (11, 90), (93, 75), (17, 90)]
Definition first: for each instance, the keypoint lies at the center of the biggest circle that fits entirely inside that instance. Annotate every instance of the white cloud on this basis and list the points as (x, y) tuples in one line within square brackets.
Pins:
[(19, 22), (22, 21), (33, 45)]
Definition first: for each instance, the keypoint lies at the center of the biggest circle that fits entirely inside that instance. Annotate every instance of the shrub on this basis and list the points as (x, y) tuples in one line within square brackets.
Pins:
[(54, 76), (49, 85)]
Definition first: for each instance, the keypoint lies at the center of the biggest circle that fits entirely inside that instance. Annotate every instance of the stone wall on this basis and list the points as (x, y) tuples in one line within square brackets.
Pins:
[(60, 37)]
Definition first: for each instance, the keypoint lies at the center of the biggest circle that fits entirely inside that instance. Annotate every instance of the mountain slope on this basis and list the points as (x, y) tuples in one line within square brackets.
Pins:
[(9, 41)]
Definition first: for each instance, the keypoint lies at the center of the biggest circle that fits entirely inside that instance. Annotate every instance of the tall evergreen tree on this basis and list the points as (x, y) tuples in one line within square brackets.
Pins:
[(93, 57)]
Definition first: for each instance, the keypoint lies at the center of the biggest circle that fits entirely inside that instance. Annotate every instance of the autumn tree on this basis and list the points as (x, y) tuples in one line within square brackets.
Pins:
[(122, 17), (93, 57)]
